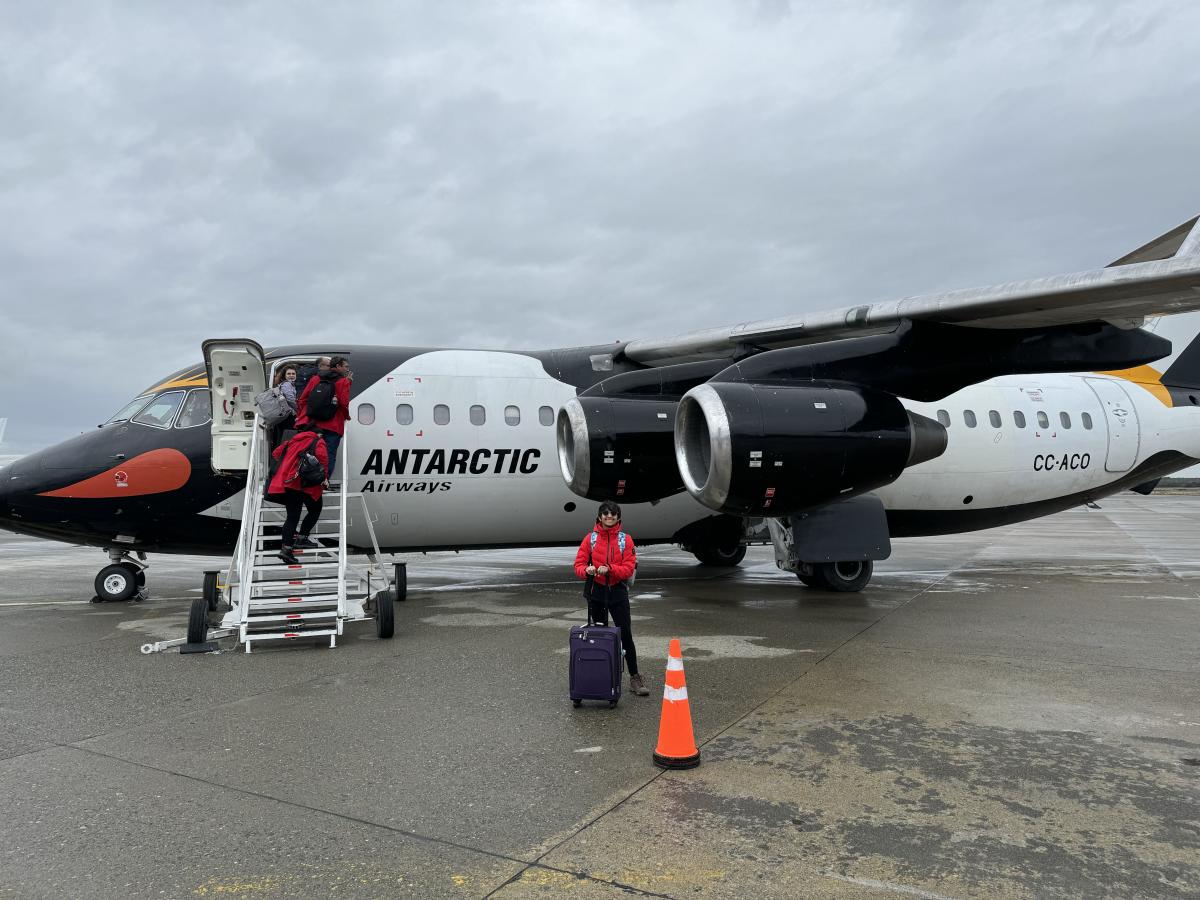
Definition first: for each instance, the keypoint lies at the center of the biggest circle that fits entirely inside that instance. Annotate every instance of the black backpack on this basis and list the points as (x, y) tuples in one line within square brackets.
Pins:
[(322, 401), (309, 471)]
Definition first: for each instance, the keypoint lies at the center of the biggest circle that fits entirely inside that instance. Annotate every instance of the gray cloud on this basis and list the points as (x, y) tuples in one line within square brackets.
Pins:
[(543, 174)]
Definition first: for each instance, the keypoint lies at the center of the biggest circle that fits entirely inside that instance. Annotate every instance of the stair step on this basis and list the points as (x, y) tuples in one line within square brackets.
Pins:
[(279, 566), (322, 615), (287, 635), (323, 528), (293, 587), (292, 602)]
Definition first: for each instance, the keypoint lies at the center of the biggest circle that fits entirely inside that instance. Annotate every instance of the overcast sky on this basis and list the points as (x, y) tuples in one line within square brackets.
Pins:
[(525, 175)]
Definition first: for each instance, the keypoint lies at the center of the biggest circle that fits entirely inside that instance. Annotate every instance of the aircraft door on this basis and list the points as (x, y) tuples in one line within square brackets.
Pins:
[(1121, 418), (236, 374)]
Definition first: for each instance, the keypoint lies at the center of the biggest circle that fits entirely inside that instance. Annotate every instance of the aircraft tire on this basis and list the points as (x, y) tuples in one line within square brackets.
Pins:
[(400, 590), (211, 592), (385, 616), (720, 556), (197, 630), (116, 582), (812, 581), (846, 577)]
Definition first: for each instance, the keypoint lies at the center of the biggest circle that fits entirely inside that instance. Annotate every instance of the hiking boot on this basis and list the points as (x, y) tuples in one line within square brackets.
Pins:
[(288, 556), (304, 542), (637, 685)]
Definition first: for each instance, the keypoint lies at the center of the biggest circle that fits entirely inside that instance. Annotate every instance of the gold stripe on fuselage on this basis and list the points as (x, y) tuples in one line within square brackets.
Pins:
[(1145, 377), (199, 381)]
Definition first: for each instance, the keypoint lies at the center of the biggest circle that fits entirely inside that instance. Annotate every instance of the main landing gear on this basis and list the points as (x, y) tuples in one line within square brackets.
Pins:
[(848, 576), (842, 576), (123, 579), (714, 555)]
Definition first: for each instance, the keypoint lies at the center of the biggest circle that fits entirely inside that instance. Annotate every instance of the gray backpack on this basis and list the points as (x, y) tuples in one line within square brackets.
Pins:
[(272, 407)]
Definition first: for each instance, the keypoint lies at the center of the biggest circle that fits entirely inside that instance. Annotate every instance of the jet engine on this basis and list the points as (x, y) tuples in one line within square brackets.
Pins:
[(615, 448), (616, 440), (762, 449)]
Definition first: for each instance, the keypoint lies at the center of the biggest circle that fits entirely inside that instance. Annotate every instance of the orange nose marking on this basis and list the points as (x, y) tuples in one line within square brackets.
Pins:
[(155, 472)]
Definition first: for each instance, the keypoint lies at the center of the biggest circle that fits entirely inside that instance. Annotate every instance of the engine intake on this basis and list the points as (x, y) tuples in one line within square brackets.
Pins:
[(613, 448), (774, 450)]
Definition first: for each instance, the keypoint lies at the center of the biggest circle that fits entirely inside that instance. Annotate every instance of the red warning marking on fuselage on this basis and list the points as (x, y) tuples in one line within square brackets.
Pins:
[(153, 472)]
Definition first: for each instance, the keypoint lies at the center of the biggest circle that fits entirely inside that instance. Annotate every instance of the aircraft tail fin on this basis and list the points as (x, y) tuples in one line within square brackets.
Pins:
[(1182, 368), (3, 425)]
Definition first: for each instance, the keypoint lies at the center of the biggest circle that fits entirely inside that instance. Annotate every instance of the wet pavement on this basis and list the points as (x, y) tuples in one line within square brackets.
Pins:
[(1010, 713)]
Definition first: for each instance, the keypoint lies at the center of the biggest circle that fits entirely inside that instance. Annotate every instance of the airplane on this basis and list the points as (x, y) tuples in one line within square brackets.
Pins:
[(827, 435)]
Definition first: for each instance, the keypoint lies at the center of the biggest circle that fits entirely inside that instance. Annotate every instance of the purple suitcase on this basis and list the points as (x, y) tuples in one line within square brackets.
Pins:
[(597, 663)]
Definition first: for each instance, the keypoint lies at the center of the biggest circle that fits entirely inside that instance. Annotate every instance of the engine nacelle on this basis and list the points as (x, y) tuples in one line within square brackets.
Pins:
[(774, 450), (616, 448)]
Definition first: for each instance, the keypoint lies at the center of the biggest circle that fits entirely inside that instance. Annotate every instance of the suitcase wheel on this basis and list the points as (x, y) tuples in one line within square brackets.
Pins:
[(612, 704), (577, 703)]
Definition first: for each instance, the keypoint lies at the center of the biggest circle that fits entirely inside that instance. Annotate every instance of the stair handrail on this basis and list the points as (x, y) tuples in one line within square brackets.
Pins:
[(343, 454), (243, 554)]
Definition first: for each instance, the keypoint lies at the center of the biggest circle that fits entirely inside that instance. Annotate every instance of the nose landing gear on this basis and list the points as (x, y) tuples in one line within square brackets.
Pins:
[(123, 579)]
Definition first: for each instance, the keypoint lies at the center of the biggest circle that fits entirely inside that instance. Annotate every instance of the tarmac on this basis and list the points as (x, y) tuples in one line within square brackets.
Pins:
[(1008, 713)]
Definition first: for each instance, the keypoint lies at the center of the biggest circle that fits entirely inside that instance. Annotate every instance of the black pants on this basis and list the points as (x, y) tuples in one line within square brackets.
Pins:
[(615, 599), (295, 501)]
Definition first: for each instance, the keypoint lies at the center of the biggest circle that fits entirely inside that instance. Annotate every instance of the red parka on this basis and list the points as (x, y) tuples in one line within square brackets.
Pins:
[(287, 476), (607, 552), (341, 390)]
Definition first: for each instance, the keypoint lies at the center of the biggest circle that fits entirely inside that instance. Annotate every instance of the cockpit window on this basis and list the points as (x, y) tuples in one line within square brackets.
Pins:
[(129, 409), (161, 410), (197, 410)]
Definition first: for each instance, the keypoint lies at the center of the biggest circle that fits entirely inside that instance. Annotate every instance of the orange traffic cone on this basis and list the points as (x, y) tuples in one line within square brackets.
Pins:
[(676, 742)]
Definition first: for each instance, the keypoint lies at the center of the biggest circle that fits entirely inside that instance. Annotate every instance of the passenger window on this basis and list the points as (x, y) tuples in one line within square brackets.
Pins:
[(1018, 418), (1065, 419), (366, 414), (944, 418), (994, 418), (478, 414), (161, 410), (1043, 420), (441, 414), (1087, 420), (129, 409), (969, 418), (197, 410), (546, 415), (404, 414), (512, 415)]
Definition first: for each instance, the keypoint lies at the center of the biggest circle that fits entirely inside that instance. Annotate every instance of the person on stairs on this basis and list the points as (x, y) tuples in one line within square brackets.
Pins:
[(325, 401), (299, 484)]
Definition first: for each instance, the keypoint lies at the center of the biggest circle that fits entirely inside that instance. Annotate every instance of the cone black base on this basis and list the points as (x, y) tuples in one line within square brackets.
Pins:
[(677, 762)]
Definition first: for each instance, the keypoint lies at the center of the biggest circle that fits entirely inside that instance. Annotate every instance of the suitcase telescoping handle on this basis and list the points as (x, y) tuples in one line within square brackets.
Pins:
[(589, 586)]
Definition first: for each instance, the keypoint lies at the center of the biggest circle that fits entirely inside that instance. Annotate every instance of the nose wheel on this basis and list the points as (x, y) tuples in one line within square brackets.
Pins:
[(122, 579)]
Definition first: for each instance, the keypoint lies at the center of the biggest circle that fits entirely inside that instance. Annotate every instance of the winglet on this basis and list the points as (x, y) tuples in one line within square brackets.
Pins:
[(1181, 241)]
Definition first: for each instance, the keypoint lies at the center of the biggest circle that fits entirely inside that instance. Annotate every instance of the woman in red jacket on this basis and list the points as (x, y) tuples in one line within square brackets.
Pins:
[(607, 556), (287, 488)]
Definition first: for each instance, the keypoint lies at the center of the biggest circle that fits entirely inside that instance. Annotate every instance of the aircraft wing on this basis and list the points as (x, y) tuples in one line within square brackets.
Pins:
[(1160, 278)]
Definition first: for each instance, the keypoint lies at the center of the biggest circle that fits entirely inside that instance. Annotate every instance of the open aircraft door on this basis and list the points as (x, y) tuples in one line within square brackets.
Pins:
[(1121, 418), (236, 375)]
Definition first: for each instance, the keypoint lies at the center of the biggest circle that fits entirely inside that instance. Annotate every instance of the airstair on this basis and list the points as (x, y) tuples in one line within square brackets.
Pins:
[(312, 599)]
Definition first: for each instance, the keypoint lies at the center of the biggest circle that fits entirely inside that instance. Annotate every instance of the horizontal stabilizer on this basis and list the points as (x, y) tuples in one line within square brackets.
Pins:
[(1166, 245)]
